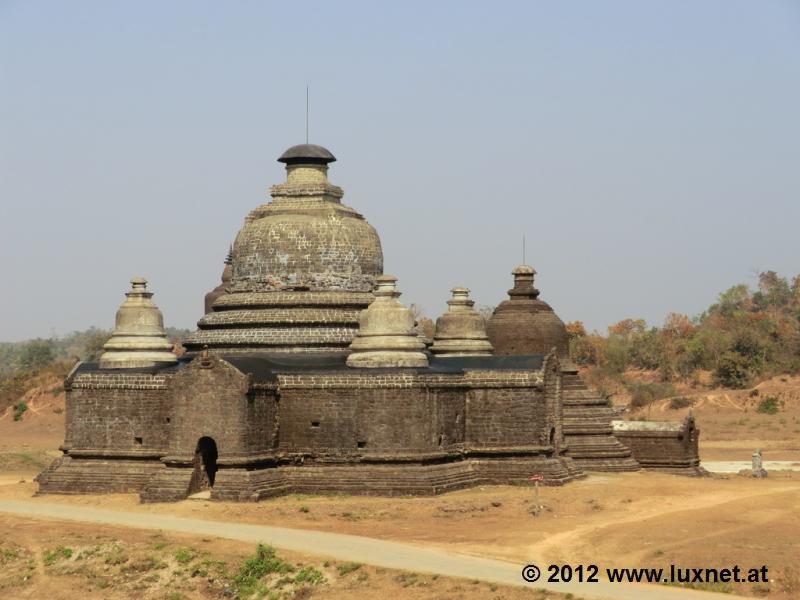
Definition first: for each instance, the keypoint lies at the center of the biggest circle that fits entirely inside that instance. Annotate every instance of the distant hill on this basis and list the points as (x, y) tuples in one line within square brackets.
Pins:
[(747, 336)]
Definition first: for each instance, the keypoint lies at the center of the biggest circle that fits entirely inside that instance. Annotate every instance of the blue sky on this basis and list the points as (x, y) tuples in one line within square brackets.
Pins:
[(649, 151)]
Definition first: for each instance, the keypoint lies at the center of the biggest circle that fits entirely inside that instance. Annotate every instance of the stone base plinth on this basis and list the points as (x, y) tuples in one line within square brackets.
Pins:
[(67, 475), (157, 482)]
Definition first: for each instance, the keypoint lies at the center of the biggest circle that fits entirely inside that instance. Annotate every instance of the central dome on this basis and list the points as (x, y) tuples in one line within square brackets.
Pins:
[(306, 238), (303, 267)]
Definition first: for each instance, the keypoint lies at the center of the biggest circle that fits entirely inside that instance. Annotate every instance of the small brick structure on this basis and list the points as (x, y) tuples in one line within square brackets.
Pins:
[(667, 446)]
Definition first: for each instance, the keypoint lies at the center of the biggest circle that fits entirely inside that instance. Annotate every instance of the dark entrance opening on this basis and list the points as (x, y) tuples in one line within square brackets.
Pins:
[(205, 463)]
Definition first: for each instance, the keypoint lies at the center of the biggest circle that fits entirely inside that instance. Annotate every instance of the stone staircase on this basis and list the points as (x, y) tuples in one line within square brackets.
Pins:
[(587, 428), (168, 484)]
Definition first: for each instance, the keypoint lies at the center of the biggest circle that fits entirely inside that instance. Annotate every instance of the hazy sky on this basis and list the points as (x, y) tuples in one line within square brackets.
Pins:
[(649, 151)]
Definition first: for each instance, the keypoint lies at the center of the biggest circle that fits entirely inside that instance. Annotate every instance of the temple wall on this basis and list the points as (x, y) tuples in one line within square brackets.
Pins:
[(361, 431), (324, 420), (504, 417), (553, 402), (450, 408), (213, 401), (117, 411), (370, 420)]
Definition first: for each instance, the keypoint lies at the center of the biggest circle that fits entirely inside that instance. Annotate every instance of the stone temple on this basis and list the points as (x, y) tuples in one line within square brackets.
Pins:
[(307, 374)]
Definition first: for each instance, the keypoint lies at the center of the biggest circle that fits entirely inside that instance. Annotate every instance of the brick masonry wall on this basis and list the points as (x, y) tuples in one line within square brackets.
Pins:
[(665, 450), (213, 401), (554, 405), (373, 420), (309, 423), (504, 417), (116, 412)]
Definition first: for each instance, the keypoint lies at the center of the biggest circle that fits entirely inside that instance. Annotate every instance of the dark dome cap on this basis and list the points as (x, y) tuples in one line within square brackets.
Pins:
[(304, 154)]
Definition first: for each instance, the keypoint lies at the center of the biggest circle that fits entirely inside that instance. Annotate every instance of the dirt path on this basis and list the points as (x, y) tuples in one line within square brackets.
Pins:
[(381, 553), (556, 546)]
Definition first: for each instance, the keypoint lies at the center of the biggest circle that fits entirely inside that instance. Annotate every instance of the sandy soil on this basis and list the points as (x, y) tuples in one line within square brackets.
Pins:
[(31, 443), (627, 520)]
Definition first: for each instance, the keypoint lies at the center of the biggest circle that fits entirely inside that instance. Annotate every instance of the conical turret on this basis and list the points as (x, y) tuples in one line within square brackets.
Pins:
[(386, 336), (138, 339), (461, 331)]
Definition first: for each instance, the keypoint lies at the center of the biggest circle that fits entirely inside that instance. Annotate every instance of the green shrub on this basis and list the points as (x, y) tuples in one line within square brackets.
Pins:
[(55, 554), (733, 371), (768, 405), (643, 394), (680, 402), (19, 410), (346, 568), (309, 576), (184, 555), (254, 568)]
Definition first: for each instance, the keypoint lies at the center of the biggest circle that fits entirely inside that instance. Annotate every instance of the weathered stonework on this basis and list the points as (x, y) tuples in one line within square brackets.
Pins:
[(667, 446), (461, 331), (386, 335), (303, 267), (303, 377), (524, 324), (311, 425), (138, 339)]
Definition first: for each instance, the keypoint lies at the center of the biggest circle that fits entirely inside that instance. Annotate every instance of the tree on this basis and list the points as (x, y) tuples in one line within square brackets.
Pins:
[(773, 291), (575, 329), (732, 301), (36, 354), (733, 371)]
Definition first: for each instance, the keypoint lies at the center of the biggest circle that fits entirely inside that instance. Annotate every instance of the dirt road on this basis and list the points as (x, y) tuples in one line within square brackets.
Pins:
[(376, 552)]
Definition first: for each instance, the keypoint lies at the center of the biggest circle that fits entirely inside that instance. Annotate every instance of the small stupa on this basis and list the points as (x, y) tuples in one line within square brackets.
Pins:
[(222, 288), (138, 340), (524, 324), (386, 335), (461, 331)]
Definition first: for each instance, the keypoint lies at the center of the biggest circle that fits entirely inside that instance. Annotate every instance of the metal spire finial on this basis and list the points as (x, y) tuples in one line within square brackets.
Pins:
[(523, 249)]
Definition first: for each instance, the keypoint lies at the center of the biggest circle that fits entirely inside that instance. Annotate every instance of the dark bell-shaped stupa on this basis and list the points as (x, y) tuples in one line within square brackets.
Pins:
[(523, 324), (222, 288)]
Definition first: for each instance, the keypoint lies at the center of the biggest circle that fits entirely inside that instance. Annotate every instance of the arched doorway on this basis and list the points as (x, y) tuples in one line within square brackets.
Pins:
[(205, 464)]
